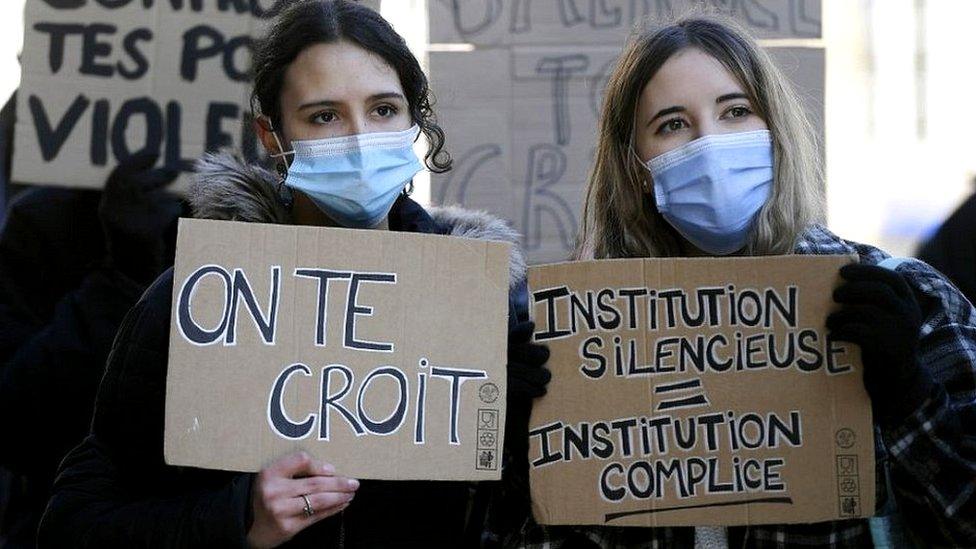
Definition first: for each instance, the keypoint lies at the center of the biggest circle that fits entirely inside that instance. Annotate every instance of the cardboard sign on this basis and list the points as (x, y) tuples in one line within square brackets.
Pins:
[(101, 84), (382, 353), (527, 22), (697, 392), (521, 109), (103, 81)]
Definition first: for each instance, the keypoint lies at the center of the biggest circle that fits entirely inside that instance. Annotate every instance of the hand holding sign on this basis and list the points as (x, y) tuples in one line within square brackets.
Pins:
[(278, 498), (136, 210), (881, 315), (527, 378)]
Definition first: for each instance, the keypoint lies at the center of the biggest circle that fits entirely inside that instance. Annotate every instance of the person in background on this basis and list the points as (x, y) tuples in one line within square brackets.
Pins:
[(72, 263), (952, 249), (340, 101), (8, 190), (704, 150)]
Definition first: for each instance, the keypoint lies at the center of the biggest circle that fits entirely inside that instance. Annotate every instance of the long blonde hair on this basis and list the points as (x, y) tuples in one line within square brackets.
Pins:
[(621, 220)]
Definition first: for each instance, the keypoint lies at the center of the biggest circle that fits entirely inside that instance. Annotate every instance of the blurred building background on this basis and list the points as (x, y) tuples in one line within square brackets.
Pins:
[(899, 116), (898, 110)]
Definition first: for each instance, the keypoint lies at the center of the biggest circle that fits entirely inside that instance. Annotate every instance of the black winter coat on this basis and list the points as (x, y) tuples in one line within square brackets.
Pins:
[(60, 306), (952, 249), (115, 490)]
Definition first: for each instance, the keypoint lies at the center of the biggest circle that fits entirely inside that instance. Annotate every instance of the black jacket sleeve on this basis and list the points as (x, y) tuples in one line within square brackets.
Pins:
[(96, 505), (952, 250), (114, 490), (52, 378), (55, 332)]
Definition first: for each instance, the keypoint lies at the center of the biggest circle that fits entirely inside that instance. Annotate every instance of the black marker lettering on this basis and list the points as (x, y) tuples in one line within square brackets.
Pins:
[(609, 492), (600, 432), (804, 339), (331, 400), (131, 46), (148, 109), (99, 133), (550, 296), (266, 323), (835, 348), (92, 50), (321, 317), (188, 327), (457, 377), (354, 311), (632, 294), (50, 140), (59, 32), (548, 456), (580, 441), (395, 419), (600, 366), (786, 311), (276, 412), (604, 300), (217, 138)]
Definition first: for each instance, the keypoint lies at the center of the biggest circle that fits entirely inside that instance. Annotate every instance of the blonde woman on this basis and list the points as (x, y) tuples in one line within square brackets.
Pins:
[(704, 151)]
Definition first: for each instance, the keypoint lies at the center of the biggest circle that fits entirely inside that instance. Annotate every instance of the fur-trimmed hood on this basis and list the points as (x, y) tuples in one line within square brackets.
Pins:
[(228, 188)]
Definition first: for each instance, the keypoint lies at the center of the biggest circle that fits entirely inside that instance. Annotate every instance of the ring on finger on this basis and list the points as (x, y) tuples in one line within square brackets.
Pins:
[(308, 510)]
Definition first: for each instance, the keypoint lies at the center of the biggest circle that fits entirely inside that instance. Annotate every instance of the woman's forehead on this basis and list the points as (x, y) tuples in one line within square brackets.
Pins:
[(338, 71), (688, 76)]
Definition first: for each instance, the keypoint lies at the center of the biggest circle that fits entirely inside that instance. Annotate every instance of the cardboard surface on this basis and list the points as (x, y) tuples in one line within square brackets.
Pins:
[(531, 22), (782, 428), (100, 84), (521, 110), (397, 371)]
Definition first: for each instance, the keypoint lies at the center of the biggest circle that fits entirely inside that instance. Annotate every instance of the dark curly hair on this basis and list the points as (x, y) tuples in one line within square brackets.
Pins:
[(308, 22)]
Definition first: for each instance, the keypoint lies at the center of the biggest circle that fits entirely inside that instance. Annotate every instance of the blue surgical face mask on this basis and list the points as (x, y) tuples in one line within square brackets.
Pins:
[(711, 189), (354, 179)]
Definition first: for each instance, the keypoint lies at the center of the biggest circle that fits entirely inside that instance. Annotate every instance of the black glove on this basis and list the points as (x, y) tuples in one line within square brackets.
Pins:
[(136, 210), (880, 314), (527, 378)]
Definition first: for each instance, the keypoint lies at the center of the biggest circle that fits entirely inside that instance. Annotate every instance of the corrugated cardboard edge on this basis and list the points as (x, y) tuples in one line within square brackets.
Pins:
[(502, 250)]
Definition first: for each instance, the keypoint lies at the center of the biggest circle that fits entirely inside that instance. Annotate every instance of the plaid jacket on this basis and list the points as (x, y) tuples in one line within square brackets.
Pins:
[(926, 465)]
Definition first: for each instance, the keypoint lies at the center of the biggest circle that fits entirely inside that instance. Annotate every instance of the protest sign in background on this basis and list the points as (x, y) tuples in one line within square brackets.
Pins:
[(697, 391), (101, 84), (381, 353), (520, 104), (105, 80)]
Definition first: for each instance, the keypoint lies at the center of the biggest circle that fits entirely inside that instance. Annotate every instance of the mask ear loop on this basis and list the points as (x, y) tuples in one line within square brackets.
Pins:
[(282, 170), (645, 183), (280, 167), (408, 189)]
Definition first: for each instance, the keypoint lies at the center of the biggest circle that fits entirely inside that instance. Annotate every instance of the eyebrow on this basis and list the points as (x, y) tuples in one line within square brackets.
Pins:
[(374, 97), (672, 110), (730, 96), (665, 112)]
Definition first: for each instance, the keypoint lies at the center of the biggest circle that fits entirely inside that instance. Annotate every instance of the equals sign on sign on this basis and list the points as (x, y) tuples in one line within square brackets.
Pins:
[(695, 399)]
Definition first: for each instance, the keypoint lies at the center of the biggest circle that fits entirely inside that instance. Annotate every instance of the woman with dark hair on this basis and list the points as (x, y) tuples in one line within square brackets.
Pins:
[(339, 102)]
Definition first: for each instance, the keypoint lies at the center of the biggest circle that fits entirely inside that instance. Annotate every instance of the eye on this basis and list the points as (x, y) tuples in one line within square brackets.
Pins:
[(671, 125), (323, 117), (386, 111), (737, 111)]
